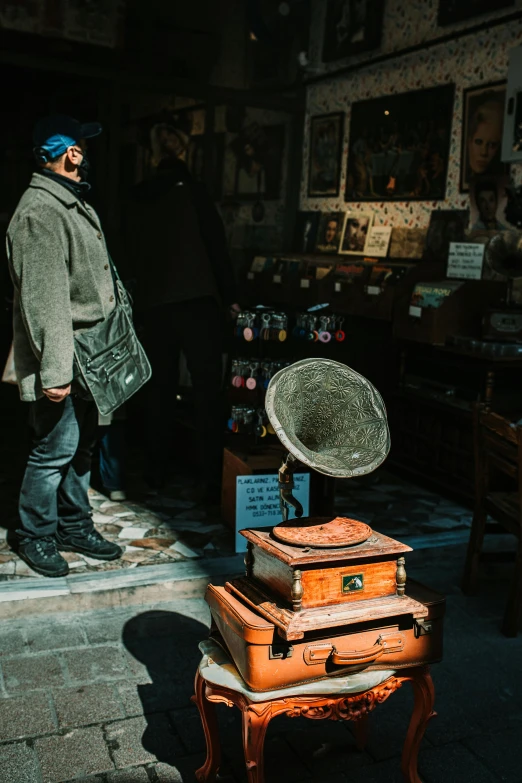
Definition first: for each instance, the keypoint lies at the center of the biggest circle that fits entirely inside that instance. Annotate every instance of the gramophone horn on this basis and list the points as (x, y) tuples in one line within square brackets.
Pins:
[(504, 253), (329, 417)]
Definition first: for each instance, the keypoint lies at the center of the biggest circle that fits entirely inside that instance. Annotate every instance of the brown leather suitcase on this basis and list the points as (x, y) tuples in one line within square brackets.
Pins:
[(268, 662)]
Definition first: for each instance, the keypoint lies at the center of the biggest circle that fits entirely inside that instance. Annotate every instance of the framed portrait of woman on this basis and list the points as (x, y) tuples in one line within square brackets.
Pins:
[(482, 128), (326, 144)]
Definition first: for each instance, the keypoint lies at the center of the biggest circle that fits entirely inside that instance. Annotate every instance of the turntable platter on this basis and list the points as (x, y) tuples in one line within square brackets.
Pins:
[(323, 532)]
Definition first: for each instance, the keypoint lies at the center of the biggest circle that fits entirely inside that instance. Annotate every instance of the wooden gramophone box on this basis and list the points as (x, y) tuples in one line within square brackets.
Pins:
[(306, 575)]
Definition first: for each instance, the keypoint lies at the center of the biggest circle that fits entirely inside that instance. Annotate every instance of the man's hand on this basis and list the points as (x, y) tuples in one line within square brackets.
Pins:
[(59, 394)]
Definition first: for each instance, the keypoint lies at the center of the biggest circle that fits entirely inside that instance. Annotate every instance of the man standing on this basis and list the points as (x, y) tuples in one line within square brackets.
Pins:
[(63, 281), (177, 252)]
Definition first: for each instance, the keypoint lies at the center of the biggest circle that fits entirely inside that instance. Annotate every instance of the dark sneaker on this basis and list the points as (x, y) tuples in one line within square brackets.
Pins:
[(91, 544), (42, 555)]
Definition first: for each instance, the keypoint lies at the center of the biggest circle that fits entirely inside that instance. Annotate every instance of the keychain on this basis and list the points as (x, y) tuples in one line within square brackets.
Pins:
[(339, 334), (324, 333), (251, 382)]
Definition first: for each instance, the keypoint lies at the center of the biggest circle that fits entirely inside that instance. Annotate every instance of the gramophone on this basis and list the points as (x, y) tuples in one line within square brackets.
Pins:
[(307, 573), (323, 596), (504, 256)]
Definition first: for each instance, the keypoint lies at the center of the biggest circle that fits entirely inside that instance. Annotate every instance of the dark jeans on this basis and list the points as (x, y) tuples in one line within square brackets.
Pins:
[(112, 455), (56, 480), (196, 328)]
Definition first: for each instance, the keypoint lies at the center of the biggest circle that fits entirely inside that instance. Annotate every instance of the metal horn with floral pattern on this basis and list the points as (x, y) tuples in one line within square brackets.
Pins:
[(328, 417)]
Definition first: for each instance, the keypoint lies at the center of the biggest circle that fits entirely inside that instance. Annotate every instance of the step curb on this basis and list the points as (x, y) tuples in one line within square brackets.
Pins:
[(125, 587)]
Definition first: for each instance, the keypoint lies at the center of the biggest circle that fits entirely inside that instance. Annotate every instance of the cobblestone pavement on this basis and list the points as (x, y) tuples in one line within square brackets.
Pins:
[(104, 697)]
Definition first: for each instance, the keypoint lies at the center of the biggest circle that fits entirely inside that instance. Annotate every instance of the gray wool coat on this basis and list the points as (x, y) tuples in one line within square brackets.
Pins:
[(60, 269)]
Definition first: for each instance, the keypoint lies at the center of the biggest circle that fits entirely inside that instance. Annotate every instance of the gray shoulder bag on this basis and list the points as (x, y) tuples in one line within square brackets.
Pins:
[(110, 362)]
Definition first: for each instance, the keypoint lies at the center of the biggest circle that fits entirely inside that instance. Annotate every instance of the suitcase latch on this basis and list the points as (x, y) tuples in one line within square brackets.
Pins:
[(281, 651), (422, 628)]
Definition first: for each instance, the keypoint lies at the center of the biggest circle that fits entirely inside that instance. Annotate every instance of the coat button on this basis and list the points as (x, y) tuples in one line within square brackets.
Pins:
[(99, 235), (111, 299), (106, 266)]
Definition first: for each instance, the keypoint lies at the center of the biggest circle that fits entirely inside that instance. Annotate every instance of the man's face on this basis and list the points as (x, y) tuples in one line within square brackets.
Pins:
[(331, 232), (487, 203)]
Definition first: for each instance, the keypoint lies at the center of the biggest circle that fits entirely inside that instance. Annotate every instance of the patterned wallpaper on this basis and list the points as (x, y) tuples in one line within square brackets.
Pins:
[(468, 62)]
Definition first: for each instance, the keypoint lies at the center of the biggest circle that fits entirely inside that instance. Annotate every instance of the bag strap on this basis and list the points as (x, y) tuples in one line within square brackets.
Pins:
[(115, 279)]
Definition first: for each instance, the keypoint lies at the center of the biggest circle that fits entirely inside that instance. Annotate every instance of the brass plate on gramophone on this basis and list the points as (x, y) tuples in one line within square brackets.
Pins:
[(323, 532)]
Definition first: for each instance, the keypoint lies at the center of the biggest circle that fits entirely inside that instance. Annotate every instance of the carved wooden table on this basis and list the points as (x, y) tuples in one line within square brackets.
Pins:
[(257, 710)]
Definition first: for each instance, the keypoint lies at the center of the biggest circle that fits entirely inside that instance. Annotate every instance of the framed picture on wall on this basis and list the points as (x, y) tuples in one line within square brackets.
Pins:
[(482, 129), (351, 26), (259, 161), (305, 233), (330, 232), (326, 146), (355, 233), (452, 11), (399, 146)]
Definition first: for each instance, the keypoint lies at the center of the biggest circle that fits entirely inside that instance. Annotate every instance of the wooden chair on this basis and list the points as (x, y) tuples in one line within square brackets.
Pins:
[(498, 445)]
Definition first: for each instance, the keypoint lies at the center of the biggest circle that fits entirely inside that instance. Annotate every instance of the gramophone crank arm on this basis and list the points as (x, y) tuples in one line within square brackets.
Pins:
[(286, 486)]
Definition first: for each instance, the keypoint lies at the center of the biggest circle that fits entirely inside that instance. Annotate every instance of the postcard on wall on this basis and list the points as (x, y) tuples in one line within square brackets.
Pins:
[(330, 232), (378, 241), (355, 234)]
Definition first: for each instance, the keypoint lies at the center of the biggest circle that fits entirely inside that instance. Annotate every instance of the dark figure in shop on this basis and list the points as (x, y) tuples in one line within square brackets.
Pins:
[(184, 285)]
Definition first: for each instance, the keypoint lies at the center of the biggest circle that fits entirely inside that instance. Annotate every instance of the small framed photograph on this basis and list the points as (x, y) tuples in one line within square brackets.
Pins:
[(482, 129), (326, 146), (305, 235), (330, 232), (351, 27), (355, 234)]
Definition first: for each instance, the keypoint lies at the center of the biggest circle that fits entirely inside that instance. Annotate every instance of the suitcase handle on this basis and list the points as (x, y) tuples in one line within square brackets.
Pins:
[(386, 643)]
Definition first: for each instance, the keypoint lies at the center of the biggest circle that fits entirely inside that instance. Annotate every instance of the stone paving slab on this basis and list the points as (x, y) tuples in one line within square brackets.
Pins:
[(19, 764), (26, 716), (87, 704), (78, 752), (24, 673)]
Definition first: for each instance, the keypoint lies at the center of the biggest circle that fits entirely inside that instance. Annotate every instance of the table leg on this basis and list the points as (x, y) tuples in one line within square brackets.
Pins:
[(207, 773), (424, 693), (360, 727), (255, 720)]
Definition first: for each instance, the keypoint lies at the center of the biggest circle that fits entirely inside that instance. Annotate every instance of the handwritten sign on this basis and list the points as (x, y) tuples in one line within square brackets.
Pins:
[(257, 502), (378, 241), (465, 260)]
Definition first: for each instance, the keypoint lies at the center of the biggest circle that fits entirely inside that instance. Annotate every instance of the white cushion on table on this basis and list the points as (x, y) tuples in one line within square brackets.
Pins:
[(217, 667)]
